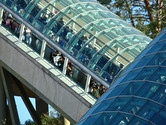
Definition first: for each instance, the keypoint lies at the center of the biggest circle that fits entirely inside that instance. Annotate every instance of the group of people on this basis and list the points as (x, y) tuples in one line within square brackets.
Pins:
[(65, 35), (9, 22), (58, 60), (95, 89)]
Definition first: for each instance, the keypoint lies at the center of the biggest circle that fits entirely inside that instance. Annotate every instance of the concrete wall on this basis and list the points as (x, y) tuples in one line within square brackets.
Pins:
[(46, 85)]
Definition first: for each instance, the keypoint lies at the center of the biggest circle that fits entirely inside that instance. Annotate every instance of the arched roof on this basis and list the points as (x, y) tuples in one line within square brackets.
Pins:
[(90, 32)]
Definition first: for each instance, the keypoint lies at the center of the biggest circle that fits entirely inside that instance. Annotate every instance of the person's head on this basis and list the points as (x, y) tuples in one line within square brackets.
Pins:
[(53, 37), (61, 58), (69, 64), (57, 52)]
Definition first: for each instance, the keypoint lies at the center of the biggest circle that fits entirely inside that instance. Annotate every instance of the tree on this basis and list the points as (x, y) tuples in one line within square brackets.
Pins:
[(51, 120), (148, 16), (29, 122), (47, 119)]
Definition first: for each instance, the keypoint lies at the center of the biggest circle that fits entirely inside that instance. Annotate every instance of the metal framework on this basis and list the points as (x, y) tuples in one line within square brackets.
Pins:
[(138, 95), (96, 34)]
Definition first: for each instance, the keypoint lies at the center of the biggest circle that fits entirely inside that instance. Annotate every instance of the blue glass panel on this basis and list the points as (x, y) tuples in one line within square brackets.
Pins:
[(160, 94), (159, 46), (118, 104), (120, 119), (139, 121), (91, 120), (132, 88), (159, 75), (118, 90), (8, 2), (134, 105), (104, 105), (105, 118), (131, 75), (160, 117), (159, 59), (145, 73), (147, 109)]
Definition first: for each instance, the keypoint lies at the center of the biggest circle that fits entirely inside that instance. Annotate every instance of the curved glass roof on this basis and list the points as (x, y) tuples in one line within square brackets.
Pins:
[(85, 29), (137, 97)]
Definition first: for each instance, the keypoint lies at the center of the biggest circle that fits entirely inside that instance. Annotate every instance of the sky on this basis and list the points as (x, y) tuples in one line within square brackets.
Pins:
[(23, 113)]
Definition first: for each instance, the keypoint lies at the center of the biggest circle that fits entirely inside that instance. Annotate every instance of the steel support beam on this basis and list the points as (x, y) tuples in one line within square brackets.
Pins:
[(9, 94), (27, 102), (2, 102), (41, 106)]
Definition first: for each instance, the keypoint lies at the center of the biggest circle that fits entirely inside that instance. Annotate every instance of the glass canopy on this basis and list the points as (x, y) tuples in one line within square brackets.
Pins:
[(138, 96), (88, 31)]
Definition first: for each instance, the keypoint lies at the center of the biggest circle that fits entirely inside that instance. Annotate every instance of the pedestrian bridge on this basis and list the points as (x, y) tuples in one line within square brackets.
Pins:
[(43, 78), (97, 48)]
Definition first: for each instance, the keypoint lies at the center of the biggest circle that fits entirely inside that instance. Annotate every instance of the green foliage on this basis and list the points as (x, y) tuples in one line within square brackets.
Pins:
[(51, 120), (47, 119), (29, 122)]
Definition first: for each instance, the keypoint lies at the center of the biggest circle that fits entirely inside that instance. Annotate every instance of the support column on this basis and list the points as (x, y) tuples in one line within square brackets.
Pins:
[(9, 94), (2, 103), (41, 106), (21, 32), (65, 65), (43, 48), (1, 14), (66, 121), (87, 83)]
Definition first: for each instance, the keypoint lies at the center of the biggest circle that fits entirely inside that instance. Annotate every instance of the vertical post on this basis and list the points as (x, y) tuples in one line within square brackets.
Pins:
[(65, 65), (41, 106), (1, 14), (87, 83), (9, 94), (53, 9), (43, 48), (21, 32), (2, 102), (117, 50)]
